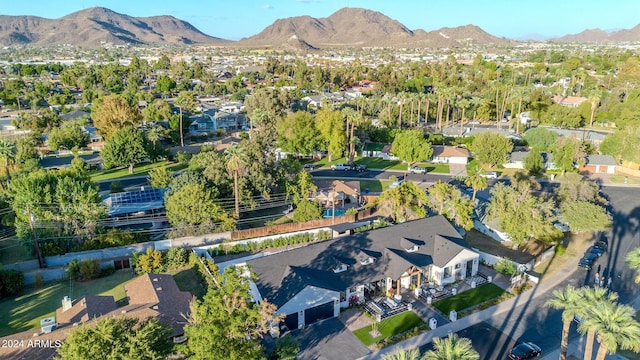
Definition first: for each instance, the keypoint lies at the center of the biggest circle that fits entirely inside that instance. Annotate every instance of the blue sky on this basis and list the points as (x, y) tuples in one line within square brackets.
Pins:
[(234, 19)]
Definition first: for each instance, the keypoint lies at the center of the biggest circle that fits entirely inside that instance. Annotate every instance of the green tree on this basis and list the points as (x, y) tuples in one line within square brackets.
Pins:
[(193, 204), (445, 199), (158, 110), (411, 146), (225, 324), (451, 348), (112, 113), (594, 298), (236, 166), (633, 259), (476, 181), (575, 187), (567, 154), (307, 210), (572, 304), (403, 203), (118, 338), (165, 84), (491, 148), (411, 354), (534, 162), (160, 177), (287, 348), (585, 216), (185, 101), (8, 154), (68, 136), (297, 133), (330, 126), (150, 262), (541, 138), (126, 147)]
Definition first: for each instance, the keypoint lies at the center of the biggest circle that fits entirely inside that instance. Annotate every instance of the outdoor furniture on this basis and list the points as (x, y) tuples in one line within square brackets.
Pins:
[(391, 303)]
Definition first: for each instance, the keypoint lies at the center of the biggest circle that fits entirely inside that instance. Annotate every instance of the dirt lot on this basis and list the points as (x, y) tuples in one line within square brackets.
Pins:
[(481, 241)]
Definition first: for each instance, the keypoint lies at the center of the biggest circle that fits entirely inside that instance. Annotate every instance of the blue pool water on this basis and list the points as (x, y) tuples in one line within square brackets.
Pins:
[(327, 213)]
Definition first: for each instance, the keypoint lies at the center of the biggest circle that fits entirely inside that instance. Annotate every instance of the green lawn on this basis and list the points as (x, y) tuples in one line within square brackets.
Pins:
[(187, 280), (389, 327), (373, 185), (25, 312), (142, 169), (469, 298)]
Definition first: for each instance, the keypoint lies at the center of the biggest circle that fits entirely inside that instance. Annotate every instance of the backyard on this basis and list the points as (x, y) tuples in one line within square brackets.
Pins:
[(379, 163), (139, 170), (25, 312), (469, 298), (389, 327)]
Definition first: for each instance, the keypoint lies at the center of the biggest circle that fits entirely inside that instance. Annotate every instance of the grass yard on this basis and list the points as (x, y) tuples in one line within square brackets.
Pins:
[(374, 185), (379, 163), (187, 280), (137, 171), (389, 327), (619, 179), (24, 312), (469, 298)]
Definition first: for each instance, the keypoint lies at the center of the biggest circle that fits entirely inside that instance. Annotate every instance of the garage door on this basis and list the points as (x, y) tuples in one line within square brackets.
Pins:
[(319, 312), (291, 321)]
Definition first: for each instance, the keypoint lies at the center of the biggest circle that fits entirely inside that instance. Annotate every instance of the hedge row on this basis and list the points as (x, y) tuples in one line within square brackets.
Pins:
[(270, 243)]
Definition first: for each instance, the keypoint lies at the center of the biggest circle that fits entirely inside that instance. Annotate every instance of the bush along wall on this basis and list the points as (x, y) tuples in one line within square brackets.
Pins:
[(281, 241)]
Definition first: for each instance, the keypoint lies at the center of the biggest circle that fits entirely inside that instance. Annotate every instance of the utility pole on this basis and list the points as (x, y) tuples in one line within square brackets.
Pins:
[(35, 238)]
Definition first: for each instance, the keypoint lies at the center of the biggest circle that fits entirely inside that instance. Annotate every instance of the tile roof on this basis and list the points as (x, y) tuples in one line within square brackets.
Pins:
[(449, 151), (281, 276)]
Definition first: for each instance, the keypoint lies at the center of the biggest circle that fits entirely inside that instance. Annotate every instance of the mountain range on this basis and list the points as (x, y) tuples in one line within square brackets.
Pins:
[(355, 27)]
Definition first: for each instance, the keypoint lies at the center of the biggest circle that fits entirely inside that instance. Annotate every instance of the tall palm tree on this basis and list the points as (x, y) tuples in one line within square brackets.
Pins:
[(185, 102), (594, 298), (451, 348), (594, 99), (614, 326), (412, 354), (476, 181), (8, 153), (633, 259), (235, 165), (571, 302)]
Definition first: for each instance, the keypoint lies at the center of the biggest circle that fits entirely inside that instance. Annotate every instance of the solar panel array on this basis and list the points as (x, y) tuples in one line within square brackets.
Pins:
[(137, 197)]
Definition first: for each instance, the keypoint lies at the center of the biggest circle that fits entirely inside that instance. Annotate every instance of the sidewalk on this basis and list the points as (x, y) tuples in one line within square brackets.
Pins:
[(548, 284)]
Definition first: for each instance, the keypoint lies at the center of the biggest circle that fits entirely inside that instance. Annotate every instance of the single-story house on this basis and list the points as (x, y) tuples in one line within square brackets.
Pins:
[(568, 101), (516, 159), (449, 154), (338, 191), (486, 225), (599, 164), (587, 135), (380, 150), (313, 282)]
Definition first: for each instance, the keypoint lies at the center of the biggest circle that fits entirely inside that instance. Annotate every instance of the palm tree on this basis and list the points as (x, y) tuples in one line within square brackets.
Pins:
[(8, 153), (476, 181), (451, 348), (614, 326), (571, 302), (633, 259), (593, 297), (235, 165), (412, 354), (185, 102), (594, 99)]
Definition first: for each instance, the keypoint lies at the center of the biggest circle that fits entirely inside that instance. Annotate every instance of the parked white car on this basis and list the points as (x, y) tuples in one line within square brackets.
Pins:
[(417, 170), (491, 175), (396, 183), (343, 167)]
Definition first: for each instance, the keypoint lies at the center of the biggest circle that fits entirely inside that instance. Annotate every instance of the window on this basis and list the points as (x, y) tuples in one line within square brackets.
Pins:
[(352, 290), (343, 296), (447, 272), (458, 266)]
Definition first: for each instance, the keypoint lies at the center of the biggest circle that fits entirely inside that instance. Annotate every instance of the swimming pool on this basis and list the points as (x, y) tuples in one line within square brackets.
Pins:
[(327, 212)]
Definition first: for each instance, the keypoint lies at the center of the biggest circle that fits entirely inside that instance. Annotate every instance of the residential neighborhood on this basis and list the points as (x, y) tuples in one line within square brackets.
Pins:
[(333, 187)]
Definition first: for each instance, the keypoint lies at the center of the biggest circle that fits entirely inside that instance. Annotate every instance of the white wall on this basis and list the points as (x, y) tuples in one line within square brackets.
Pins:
[(492, 233), (462, 258), (310, 296), (458, 160)]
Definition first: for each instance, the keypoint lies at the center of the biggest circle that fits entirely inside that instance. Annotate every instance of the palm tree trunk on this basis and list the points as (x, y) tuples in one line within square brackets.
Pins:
[(564, 343), (473, 200), (6, 169), (593, 112), (131, 168), (235, 193), (351, 145), (181, 137), (602, 352), (400, 116), (588, 347)]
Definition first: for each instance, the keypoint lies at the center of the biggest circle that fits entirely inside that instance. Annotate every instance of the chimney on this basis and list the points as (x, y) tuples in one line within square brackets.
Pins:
[(66, 303)]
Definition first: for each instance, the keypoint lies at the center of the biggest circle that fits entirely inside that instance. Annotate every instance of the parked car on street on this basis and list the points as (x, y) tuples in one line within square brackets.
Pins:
[(396, 183), (361, 168), (343, 167), (587, 261), (417, 170), (491, 175), (595, 250), (309, 167), (524, 350)]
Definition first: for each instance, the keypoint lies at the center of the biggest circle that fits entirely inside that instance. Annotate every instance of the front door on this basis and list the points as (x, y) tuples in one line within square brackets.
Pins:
[(469, 268)]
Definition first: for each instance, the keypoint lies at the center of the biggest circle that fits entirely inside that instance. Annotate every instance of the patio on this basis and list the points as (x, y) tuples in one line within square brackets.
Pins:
[(384, 307)]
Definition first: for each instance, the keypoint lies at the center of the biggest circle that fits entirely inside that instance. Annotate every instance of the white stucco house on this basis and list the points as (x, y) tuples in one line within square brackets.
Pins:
[(445, 154), (313, 282)]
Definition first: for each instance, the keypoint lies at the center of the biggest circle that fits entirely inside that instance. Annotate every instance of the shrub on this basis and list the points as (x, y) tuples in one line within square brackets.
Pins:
[(183, 157), (150, 262), (89, 269), (38, 280), (73, 269), (505, 266), (176, 258), (11, 283), (286, 348), (116, 187), (107, 271), (560, 249)]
